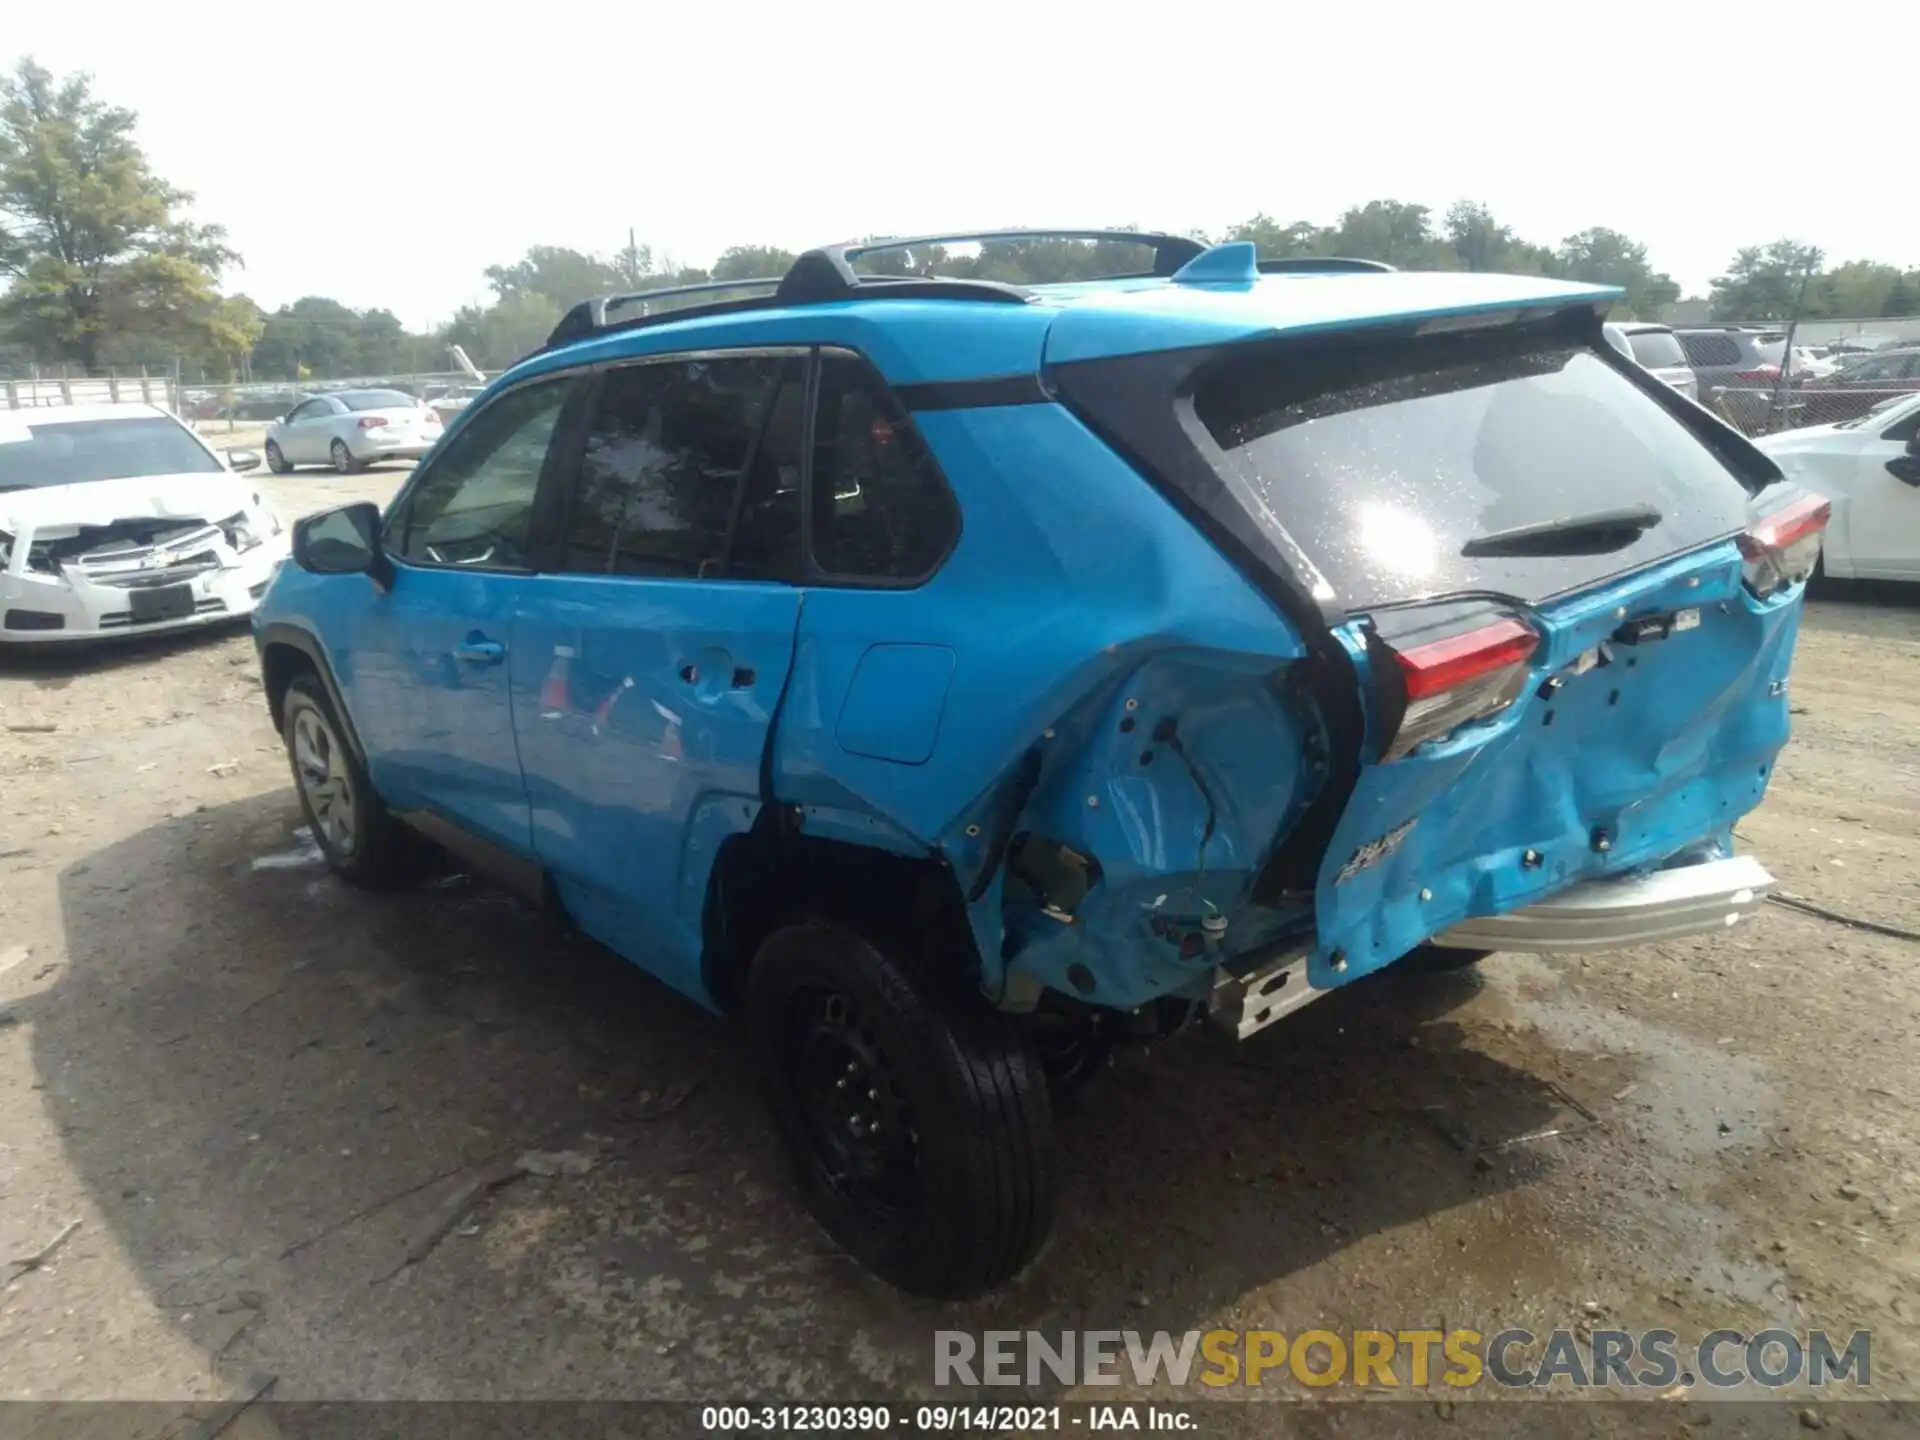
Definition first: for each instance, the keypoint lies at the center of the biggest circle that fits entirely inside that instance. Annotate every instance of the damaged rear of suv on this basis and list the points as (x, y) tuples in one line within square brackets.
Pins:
[(1060, 661)]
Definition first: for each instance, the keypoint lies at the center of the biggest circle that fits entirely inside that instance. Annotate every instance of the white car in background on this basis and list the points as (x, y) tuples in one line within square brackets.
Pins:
[(1869, 467), (350, 430), (118, 519), (1653, 347), (1805, 362)]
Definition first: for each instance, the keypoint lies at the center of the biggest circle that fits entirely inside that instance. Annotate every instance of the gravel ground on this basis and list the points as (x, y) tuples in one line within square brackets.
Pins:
[(256, 1091)]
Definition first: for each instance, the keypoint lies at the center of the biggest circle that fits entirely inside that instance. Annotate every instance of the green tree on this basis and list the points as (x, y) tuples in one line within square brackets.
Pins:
[(1479, 242), (90, 238), (1764, 282), (752, 262), (564, 277), (1853, 291), (314, 336), (1274, 241), (501, 333), (1901, 298), (1392, 231), (1600, 256)]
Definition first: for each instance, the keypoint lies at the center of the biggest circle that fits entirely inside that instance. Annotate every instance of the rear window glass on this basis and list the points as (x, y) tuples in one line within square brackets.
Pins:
[(1656, 349), (375, 399), (1384, 460), (1710, 348)]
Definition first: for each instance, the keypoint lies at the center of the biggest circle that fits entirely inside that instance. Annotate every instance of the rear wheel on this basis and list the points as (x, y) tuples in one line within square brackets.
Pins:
[(918, 1123), (276, 461), (361, 841), (343, 461)]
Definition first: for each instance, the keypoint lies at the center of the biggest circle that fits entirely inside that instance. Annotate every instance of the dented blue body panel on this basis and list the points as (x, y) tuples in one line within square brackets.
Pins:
[(1613, 770), (1087, 688)]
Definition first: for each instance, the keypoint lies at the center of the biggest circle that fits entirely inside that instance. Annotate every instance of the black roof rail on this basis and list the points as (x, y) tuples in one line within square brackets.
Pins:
[(589, 317), (1322, 265), (827, 274)]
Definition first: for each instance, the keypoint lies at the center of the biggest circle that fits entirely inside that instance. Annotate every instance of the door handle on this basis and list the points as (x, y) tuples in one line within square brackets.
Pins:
[(478, 651)]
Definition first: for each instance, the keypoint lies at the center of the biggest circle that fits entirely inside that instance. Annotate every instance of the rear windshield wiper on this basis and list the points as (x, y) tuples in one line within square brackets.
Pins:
[(1593, 534)]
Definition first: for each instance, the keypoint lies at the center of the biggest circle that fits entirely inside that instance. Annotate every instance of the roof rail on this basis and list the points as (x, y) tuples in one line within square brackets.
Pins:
[(827, 274), (1323, 265), (589, 317)]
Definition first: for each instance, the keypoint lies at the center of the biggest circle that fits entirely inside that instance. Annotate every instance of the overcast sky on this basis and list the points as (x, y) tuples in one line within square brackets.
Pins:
[(385, 154)]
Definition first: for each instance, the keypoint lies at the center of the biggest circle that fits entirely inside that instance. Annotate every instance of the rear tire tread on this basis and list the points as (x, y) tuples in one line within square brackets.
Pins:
[(998, 1125)]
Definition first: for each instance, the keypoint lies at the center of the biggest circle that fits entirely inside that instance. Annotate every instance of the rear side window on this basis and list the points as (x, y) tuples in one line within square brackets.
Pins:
[(1385, 459), (1872, 369), (661, 465), (881, 511), (1710, 347), (376, 400), (1656, 349)]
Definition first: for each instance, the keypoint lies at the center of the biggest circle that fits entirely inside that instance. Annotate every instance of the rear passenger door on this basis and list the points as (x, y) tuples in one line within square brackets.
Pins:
[(312, 429), (647, 663)]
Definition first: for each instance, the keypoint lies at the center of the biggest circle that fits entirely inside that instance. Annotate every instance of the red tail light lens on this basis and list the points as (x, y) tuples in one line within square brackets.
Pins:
[(1781, 548), (1458, 678), (1766, 374), (372, 422)]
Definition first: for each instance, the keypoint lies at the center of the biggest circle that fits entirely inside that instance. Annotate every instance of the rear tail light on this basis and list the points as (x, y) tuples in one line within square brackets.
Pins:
[(1458, 678), (1761, 374), (372, 422), (1781, 548)]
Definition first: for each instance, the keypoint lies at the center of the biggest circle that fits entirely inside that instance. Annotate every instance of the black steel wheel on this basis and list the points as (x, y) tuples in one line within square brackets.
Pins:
[(918, 1122)]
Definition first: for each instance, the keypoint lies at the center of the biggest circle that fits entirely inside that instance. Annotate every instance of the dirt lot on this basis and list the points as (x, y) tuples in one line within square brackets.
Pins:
[(255, 1090)]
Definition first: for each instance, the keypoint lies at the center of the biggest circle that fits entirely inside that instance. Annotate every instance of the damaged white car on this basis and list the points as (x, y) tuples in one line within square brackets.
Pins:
[(118, 519)]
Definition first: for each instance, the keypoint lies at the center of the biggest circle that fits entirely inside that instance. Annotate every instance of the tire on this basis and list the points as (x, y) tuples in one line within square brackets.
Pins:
[(343, 461), (361, 841), (956, 1194), (1442, 959), (276, 461)]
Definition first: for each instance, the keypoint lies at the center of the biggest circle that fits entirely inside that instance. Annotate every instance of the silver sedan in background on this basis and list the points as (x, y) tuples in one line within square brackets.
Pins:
[(352, 429)]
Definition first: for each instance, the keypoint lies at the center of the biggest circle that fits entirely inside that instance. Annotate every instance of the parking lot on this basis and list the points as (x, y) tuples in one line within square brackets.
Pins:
[(259, 1094)]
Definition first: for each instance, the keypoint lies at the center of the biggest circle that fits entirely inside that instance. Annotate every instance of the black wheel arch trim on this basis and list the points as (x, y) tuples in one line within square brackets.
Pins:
[(298, 637)]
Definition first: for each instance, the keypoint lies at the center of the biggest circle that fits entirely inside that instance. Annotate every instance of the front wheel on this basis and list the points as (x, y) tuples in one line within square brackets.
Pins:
[(277, 461), (360, 840), (918, 1123)]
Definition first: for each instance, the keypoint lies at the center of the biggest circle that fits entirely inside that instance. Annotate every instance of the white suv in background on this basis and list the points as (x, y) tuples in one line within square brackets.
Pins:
[(118, 519), (1655, 348)]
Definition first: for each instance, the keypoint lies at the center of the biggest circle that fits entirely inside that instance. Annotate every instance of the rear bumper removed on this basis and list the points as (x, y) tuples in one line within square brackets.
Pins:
[(1703, 899)]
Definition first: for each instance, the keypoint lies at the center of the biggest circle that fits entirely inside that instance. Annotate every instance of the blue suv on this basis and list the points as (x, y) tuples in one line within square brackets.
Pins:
[(955, 677)]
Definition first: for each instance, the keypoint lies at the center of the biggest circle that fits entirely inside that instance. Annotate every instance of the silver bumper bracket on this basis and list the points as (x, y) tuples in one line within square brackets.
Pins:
[(1631, 910)]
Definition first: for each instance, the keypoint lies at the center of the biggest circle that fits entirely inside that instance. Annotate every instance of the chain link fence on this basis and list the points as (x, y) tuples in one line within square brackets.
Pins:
[(214, 406), (1763, 378)]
